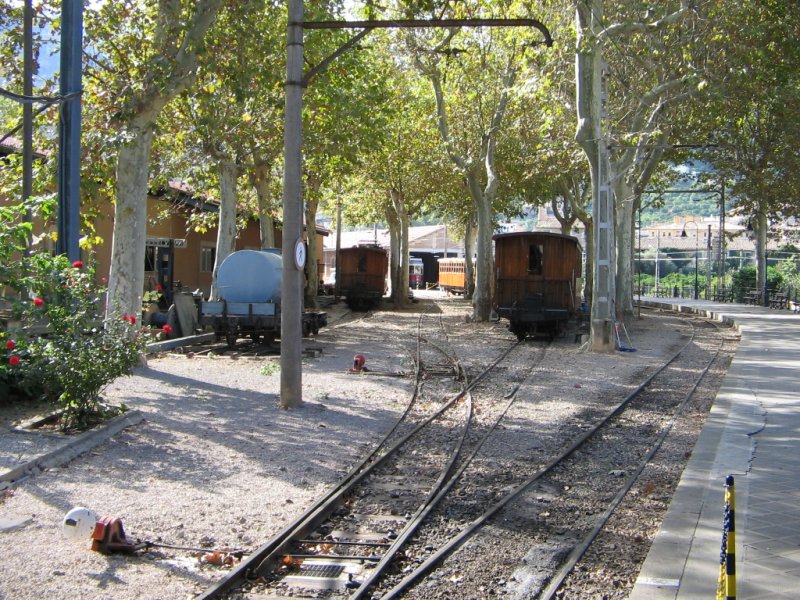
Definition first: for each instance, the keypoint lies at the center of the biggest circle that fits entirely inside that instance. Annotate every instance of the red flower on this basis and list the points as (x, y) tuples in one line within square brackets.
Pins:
[(158, 287), (10, 345), (78, 264), (13, 360), (38, 301), (167, 329)]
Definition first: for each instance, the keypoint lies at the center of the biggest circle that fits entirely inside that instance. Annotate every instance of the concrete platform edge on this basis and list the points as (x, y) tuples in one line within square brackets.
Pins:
[(683, 561), (71, 449)]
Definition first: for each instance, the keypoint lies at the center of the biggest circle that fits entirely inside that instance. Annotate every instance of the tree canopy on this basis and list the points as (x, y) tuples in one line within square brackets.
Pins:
[(460, 124)]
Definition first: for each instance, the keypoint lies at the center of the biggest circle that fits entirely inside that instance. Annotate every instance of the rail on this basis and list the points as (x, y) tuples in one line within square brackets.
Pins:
[(456, 541), (278, 550)]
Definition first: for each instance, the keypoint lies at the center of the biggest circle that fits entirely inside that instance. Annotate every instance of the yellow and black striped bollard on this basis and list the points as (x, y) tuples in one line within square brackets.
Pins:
[(726, 589)]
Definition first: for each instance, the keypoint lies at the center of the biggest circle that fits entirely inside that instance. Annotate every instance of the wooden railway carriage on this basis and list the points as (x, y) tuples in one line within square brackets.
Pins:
[(536, 285), (361, 275), (416, 273), (452, 275)]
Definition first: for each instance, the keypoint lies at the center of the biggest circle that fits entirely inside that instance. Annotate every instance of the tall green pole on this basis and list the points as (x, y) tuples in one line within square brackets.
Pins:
[(292, 285)]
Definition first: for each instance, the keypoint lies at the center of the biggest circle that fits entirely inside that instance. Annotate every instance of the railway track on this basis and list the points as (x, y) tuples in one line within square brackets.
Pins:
[(399, 516), (548, 520), (344, 543), (210, 442)]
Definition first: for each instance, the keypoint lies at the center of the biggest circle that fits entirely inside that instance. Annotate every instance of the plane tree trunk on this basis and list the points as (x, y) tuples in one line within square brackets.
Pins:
[(261, 177), (178, 63), (226, 225)]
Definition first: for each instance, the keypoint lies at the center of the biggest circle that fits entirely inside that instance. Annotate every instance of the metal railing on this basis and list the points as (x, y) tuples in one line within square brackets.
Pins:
[(781, 298)]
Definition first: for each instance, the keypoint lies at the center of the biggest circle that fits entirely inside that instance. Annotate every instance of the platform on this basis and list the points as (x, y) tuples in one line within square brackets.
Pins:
[(752, 433)]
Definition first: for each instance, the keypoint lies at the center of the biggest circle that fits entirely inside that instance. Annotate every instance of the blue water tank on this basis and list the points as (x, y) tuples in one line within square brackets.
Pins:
[(250, 276)]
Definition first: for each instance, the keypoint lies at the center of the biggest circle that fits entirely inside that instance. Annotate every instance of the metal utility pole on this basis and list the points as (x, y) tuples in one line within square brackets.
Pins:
[(338, 247), (722, 241), (696, 259), (292, 282), (603, 309), (603, 313), (696, 253), (590, 99), (27, 108), (708, 262), (292, 246), (658, 251), (69, 152)]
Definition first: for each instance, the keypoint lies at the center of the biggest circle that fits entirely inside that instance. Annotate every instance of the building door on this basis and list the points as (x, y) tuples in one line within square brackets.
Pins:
[(164, 263)]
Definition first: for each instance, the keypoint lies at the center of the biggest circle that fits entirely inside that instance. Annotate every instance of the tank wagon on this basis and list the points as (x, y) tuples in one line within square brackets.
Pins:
[(361, 275), (249, 303), (536, 285), (452, 275)]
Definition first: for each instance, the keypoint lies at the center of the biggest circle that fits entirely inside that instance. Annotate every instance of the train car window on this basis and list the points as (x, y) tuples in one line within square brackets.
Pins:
[(362, 263), (535, 252)]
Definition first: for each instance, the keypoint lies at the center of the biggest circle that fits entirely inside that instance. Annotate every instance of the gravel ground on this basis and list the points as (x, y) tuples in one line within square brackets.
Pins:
[(216, 463)]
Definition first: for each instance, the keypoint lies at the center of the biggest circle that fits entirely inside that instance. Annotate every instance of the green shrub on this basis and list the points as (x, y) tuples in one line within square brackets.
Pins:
[(63, 348), (744, 280)]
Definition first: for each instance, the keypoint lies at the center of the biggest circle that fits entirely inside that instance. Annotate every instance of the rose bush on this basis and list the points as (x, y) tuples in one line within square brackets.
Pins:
[(62, 347)]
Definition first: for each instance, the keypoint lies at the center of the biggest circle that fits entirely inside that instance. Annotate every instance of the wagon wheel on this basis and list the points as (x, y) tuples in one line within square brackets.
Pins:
[(231, 338), (518, 330)]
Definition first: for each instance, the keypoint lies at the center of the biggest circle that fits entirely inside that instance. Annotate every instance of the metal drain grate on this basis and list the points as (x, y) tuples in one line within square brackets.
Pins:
[(331, 571)]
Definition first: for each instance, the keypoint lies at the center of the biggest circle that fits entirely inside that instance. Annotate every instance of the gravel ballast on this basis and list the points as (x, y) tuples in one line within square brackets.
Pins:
[(216, 463)]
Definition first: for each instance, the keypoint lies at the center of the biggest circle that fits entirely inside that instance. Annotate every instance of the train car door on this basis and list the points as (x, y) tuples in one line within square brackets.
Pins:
[(165, 260)]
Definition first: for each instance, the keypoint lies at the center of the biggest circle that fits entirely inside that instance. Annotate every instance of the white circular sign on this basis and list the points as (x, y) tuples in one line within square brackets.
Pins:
[(300, 254)]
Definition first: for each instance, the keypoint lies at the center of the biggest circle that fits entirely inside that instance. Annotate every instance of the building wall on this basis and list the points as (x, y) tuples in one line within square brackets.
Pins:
[(167, 221)]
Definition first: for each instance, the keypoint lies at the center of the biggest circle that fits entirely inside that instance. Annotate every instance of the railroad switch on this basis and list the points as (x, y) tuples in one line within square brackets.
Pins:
[(109, 538)]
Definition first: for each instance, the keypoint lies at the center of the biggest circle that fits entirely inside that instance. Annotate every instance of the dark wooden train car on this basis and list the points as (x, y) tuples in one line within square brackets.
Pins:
[(536, 281), (361, 275)]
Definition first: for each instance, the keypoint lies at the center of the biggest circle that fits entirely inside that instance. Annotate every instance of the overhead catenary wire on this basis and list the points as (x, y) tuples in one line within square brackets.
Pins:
[(47, 102), (24, 99)]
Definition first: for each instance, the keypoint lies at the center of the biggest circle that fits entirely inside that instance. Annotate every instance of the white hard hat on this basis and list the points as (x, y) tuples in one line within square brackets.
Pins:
[(79, 523)]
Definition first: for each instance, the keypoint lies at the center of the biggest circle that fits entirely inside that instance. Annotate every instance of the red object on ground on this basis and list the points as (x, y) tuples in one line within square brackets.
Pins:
[(109, 537)]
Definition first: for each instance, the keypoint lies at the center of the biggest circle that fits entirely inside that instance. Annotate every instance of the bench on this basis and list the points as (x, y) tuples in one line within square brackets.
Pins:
[(753, 297), (723, 296), (778, 300)]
